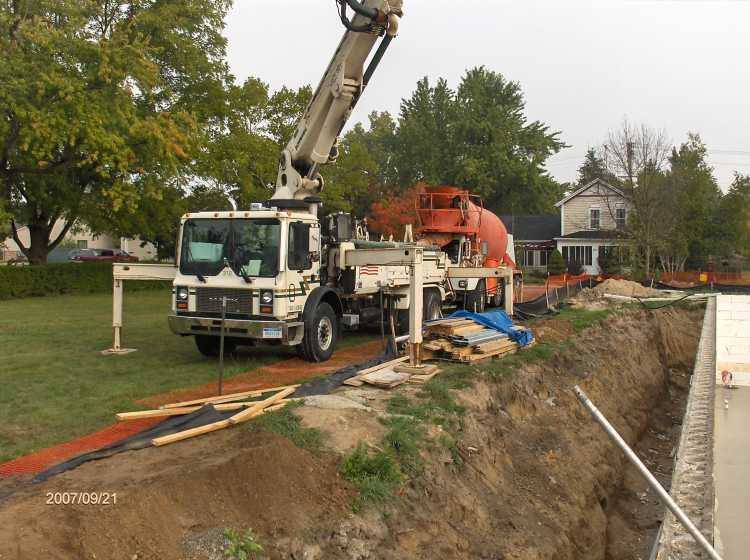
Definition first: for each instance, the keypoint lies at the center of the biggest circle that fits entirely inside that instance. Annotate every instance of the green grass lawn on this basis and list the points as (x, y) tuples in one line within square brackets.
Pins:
[(55, 385)]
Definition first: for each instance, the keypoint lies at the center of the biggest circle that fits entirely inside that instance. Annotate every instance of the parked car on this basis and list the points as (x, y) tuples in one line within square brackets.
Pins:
[(76, 254), (102, 255)]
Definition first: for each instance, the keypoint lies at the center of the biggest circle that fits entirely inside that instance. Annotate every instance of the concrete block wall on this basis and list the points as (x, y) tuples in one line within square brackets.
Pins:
[(733, 337)]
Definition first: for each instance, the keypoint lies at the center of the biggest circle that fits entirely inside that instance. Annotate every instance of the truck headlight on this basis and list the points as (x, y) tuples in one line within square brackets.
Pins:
[(266, 297), (182, 294)]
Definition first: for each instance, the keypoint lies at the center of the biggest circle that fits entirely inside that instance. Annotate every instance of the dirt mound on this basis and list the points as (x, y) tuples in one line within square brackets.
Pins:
[(538, 475), (624, 288), (164, 496)]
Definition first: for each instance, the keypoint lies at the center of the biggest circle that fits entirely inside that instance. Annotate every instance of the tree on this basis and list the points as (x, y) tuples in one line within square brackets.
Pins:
[(694, 199), (392, 215), (476, 137), (733, 218), (594, 167), (556, 264), (103, 104), (638, 154)]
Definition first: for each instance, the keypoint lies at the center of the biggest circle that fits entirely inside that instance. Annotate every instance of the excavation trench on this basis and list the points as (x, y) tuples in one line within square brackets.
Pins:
[(539, 479)]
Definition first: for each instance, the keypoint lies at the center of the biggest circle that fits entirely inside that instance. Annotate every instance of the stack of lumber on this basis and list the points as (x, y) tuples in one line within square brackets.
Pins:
[(246, 410), (392, 374), (463, 340)]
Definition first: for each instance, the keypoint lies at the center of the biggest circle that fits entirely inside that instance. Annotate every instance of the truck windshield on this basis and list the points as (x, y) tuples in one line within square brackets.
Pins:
[(248, 247)]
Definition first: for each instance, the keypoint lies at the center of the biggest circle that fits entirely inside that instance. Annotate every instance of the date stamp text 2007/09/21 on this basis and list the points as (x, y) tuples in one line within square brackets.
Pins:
[(81, 498)]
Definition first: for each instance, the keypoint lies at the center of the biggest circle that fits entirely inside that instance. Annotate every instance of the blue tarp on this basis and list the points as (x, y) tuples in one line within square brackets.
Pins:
[(499, 321)]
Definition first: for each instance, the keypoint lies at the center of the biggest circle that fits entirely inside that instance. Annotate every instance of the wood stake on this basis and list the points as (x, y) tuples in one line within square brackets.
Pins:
[(227, 398), (258, 407)]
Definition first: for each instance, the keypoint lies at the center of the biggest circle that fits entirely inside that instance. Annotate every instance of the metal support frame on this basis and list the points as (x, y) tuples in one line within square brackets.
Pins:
[(413, 258), (128, 271), (501, 273)]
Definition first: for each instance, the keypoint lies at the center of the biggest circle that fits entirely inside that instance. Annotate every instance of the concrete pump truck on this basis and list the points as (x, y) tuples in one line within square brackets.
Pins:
[(280, 274)]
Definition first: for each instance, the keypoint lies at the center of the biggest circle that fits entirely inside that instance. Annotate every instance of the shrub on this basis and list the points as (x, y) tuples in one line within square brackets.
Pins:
[(556, 264), (575, 268), (55, 279)]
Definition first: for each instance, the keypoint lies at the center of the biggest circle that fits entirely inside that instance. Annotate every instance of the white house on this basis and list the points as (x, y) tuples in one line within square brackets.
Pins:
[(592, 222), (82, 238)]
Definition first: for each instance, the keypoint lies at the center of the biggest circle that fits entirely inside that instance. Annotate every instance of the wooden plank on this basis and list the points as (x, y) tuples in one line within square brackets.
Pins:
[(164, 412), (477, 357), (356, 381), (386, 379), (216, 399), (208, 428), (494, 345), (186, 434), (382, 366), (253, 411), (424, 370)]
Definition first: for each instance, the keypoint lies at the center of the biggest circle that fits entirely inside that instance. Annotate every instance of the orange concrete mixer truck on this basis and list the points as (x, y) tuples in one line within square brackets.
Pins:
[(473, 237)]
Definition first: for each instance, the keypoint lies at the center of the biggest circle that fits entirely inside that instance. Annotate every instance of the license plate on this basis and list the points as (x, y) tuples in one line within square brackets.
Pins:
[(272, 332)]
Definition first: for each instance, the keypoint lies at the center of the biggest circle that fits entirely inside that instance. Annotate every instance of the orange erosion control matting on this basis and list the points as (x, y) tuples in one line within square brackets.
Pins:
[(282, 373)]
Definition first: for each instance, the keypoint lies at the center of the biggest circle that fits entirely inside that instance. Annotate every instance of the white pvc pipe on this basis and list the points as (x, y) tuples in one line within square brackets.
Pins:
[(660, 491)]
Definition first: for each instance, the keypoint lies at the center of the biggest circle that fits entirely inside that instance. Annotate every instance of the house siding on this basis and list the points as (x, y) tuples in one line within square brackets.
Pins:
[(576, 216)]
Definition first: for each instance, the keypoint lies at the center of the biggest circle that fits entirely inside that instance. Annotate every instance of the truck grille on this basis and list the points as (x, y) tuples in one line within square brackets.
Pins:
[(208, 300)]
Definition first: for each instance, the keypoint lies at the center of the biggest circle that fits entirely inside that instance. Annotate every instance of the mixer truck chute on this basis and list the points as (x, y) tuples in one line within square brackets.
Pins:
[(280, 277)]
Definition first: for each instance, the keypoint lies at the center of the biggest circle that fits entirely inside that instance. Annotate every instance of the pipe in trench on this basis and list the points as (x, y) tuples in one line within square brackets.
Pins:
[(658, 488)]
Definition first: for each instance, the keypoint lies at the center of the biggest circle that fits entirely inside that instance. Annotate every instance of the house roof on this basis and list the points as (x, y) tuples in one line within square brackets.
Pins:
[(595, 234), (622, 192), (533, 228)]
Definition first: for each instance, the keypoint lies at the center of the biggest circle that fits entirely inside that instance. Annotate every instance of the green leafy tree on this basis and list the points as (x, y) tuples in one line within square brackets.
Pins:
[(500, 154), (103, 103), (695, 198), (556, 264), (476, 137), (733, 218)]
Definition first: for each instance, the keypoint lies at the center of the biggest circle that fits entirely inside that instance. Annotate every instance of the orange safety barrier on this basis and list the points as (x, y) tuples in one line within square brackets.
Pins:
[(699, 277)]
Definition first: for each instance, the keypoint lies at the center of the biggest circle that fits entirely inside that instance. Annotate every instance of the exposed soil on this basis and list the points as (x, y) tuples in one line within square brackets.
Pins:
[(623, 288), (540, 479), (635, 513)]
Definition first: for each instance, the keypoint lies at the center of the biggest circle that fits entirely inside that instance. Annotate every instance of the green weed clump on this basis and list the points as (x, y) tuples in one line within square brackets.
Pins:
[(375, 473), (287, 424)]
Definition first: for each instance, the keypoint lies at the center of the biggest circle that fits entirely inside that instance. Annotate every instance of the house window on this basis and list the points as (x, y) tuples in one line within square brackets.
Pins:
[(620, 218), (543, 258), (580, 254), (595, 218), (530, 258), (82, 244)]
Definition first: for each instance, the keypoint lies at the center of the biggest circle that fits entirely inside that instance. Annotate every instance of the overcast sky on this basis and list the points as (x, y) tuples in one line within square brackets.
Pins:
[(584, 65)]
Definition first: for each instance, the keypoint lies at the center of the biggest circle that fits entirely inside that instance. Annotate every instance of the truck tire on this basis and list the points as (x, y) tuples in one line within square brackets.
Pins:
[(498, 298), (431, 306), (475, 299), (321, 334), (209, 345)]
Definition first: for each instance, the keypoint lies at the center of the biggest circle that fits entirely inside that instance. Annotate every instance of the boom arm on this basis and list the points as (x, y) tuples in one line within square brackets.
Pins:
[(314, 142)]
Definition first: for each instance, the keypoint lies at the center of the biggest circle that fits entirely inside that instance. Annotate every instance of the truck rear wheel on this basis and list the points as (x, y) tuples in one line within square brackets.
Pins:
[(321, 335), (210, 345), (475, 299), (431, 308)]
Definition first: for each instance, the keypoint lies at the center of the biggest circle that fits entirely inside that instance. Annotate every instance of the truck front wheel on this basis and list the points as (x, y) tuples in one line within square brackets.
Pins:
[(321, 335), (209, 346)]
